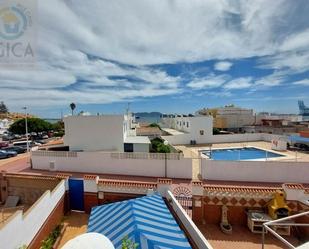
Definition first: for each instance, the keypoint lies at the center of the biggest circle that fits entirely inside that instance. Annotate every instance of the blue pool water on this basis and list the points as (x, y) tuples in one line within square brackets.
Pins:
[(234, 154)]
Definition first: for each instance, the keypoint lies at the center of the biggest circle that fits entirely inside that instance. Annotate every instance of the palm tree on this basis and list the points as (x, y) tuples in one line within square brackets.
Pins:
[(72, 106)]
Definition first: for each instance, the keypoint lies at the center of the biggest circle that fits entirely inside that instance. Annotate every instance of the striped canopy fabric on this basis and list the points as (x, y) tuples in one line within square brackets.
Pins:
[(146, 221)]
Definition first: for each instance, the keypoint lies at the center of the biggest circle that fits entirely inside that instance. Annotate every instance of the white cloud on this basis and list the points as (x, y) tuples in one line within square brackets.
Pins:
[(143, 33), (239, 83), (273, 79), (304, 82), (147, 31), (211, 81), (223, 66)]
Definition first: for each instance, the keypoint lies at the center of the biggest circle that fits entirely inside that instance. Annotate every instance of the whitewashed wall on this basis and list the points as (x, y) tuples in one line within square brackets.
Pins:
[(192, 229), (93, 133), (255, 171), (178, 139), (21, 228), (141, 147), (231, 138), (105, 163)]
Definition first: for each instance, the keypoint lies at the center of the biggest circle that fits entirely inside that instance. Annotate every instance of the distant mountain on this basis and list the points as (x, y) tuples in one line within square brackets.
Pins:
[(148, 114), (149, 117)]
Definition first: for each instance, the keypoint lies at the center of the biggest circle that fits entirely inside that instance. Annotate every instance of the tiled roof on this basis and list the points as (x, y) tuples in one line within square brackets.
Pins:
[(165, 181), (90, 177), (248, 189), (63, 176), (294, 185), (30, 176), (148, 130), (197, 183), (120, 183)]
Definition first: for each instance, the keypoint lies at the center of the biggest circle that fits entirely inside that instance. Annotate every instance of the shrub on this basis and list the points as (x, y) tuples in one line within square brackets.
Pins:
[(51, 239)]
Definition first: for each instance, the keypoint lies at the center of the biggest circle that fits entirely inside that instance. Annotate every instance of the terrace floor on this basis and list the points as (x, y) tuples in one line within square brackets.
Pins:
[(76, 224), (241, 238)]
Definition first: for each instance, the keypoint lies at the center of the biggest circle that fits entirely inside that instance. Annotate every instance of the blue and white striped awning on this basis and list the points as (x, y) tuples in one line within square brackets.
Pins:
[(146, 221)]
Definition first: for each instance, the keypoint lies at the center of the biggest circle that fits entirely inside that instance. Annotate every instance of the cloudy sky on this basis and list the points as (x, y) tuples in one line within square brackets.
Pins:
[(169, 56)]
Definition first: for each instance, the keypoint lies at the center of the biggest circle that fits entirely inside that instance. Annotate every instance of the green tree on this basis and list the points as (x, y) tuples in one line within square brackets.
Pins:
[(158, 146), (72, 106), (128, 244), (215, 131), (34, 125), (155, 125), (162, 148), (59, 126), (3, 108)]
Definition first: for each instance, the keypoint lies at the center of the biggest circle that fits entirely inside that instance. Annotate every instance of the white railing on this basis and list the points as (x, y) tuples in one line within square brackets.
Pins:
[(283, 222), (155, 156), (115, 155), (191, 228), (47, 153)]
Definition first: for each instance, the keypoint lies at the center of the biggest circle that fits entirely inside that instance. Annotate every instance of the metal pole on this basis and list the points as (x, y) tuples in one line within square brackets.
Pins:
[(279, 237), (26, 123), (263, 236), (286, 218)]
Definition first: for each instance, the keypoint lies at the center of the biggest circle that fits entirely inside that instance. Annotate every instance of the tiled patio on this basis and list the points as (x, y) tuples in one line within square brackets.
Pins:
[(241, 238), (76, 224)]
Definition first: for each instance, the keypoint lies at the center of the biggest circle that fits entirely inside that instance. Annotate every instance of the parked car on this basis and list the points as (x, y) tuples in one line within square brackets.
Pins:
[(7, 137), (4, 144), (7, 154), (24, 144), (17, 149)]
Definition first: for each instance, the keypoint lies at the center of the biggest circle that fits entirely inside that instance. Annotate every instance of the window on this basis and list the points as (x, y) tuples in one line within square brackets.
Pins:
[(201, 132), (183, 123), (187, 124)]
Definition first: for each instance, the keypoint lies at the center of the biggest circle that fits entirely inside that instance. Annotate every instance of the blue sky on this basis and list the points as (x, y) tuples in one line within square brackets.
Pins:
[(168, 56)]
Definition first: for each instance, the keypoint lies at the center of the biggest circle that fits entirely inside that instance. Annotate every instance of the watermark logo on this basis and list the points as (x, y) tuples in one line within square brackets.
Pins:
[(14, 22), (17, 32)]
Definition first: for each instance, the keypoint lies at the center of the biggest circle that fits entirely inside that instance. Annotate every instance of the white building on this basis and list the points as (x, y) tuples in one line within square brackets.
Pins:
[(230, 117), (103, 133), (4, 125), (188, 129)]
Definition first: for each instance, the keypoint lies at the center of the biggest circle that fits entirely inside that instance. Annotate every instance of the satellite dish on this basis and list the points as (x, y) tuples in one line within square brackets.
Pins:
[(89, 241)]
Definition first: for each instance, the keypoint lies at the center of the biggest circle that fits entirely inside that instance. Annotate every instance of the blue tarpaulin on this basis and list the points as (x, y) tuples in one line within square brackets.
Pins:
[(298, 139), (146, 221)]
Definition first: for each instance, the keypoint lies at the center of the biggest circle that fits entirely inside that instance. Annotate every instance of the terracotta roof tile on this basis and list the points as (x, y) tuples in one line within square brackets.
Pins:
[(120, 183), (248, 189), (90, 177), (165, 181), (197, 183), (294, 185), (63, 176), (31, 176), (148, 130)]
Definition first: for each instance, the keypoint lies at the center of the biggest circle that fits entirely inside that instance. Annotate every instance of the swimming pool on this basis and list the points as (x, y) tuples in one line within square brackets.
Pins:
[(234, 154)]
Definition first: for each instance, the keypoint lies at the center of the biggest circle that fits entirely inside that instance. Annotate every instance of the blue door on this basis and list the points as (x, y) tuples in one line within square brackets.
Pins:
[(76, 194)]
